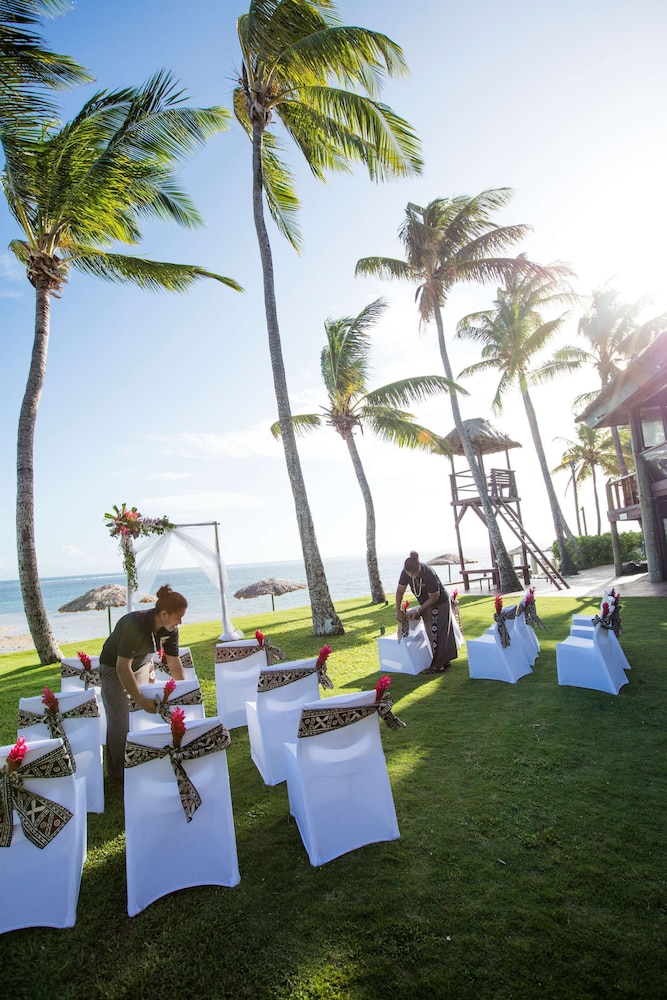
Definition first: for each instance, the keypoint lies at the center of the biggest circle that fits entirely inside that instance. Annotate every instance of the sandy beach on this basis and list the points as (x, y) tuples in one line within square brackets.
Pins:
[(591, 583)]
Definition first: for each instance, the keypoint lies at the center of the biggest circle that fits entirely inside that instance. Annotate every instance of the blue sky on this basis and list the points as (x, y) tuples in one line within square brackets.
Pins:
[(164, 401)]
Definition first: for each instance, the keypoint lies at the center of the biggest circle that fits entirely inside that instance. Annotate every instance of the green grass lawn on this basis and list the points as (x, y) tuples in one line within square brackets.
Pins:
[(531, 862)]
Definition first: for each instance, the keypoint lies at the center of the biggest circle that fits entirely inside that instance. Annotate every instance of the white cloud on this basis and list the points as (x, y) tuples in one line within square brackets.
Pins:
[(198, 504), (250, 443)]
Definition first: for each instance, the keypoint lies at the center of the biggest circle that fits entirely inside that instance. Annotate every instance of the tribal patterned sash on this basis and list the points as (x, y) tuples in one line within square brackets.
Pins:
[(606, 623), (325, 720), (186, 661), (164, 706), (269, 680), (529, 610), (212, 741), (54, 721), (89, 677), (228, 654), (403, 629), (456, 612), (500, 620), (41, 819), (616, 621)]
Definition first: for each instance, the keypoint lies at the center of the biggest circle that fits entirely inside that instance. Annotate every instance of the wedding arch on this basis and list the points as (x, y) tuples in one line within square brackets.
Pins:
[(143, 562)]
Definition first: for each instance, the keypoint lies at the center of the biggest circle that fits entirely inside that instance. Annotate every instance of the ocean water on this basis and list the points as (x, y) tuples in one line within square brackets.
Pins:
[(347, 578)]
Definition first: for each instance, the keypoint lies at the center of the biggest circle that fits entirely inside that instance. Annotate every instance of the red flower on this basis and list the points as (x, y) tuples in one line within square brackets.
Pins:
[(162, 654), (381, 686), (18, 751), (177, 726), (605, 609), (50, 700), (498, 601), (455, 595), (322, 658), (260, 637), (530, 595), (85, 660), (406, 605), (169, 688)]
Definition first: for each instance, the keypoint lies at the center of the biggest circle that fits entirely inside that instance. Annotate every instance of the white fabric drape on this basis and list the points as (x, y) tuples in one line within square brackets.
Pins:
[(151, 554)]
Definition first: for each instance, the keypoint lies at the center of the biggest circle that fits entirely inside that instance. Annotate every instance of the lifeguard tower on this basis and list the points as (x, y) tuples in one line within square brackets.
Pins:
[(503, 494)]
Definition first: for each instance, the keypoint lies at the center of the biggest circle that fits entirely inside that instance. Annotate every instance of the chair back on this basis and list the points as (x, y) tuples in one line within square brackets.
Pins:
[(164, 851), (186, 695), (237, 667), (83, 736)]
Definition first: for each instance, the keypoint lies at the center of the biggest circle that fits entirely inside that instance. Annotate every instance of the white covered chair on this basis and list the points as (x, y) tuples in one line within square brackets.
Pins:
[(79, 718), (337, 781), (73, 677), (186, 695), (582, 626), (166, 851), (273, 716), (161, 672), (588, 662), (409, 656), (40, 870), (489, 659), (237, 667)]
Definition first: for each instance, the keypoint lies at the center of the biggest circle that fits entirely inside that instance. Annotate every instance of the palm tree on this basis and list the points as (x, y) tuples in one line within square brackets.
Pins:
[(292, 53), (352, 404), (615, 336), (594, 449), (449, 241), (26, 66), (512, 334), (74, 191)]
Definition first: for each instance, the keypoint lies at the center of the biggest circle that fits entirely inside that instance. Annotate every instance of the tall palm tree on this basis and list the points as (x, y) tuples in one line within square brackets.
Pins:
[(615, 336), (75, 191), (594, 449), (26, 66), (449, 241), (351, 404), (293, 52), (512, 335)]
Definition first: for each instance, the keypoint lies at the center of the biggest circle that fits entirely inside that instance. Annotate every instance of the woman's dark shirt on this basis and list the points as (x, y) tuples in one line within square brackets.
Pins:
[(132, 638), (427, 582)]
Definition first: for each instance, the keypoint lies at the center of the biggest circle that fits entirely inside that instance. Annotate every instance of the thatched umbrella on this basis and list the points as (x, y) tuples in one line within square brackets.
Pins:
[(273, 586), (485, 439), (448, 560), (109, 595)]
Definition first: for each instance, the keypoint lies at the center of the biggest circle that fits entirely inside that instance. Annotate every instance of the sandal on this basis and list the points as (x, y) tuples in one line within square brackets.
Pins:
[(436, 670)]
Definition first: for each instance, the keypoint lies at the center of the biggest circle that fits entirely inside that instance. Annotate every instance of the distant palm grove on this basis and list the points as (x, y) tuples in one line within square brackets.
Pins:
[(307, 85)]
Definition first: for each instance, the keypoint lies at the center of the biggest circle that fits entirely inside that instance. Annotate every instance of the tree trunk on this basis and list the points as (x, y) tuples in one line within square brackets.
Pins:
[(618, 449), (325, 619), (378, 595), (567, 566), (35, 612), (509, 581), (597, 499)]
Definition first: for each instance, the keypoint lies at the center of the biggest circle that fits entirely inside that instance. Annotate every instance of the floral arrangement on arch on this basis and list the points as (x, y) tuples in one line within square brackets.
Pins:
[(127, 523)]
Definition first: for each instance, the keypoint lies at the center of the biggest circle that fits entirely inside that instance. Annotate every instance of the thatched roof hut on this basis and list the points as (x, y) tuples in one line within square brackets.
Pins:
[(484, 438)]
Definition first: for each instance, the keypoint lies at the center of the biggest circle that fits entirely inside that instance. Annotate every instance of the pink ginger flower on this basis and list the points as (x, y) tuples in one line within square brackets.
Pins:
[(455, 595), (49, 700), (177, 726), (18, 751), (259, 635), (169, 688), (405, 605), (498, 603), (382, 686), (85, 660), (162, 653), (605, 609), (322, 658)]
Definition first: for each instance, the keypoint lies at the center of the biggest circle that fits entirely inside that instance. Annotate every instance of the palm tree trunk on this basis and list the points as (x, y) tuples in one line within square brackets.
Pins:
[(35, 612), (567, 565), (509, 581), (597, 498), (325, 619), (378, 595), (618, 449)]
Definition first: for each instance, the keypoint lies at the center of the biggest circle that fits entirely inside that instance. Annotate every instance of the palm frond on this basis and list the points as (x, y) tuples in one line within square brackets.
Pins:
[(149, 275), (384, 267), (302, 423), (395, 427), (410, 390)]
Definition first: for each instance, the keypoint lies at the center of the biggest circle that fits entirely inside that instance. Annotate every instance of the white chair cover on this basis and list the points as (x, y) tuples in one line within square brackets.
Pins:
[(338, 786), (39, 887), (409, 656), (489, 660), (582, 626), (161, 673), (589, 662), (83, 735), (184, 692), (165, 852), (237, 667), (69, 681), (273, 719)]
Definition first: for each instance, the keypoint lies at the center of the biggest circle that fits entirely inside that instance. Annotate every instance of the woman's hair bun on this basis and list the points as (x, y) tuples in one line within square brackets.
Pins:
[(414, 555), (164, 590)]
